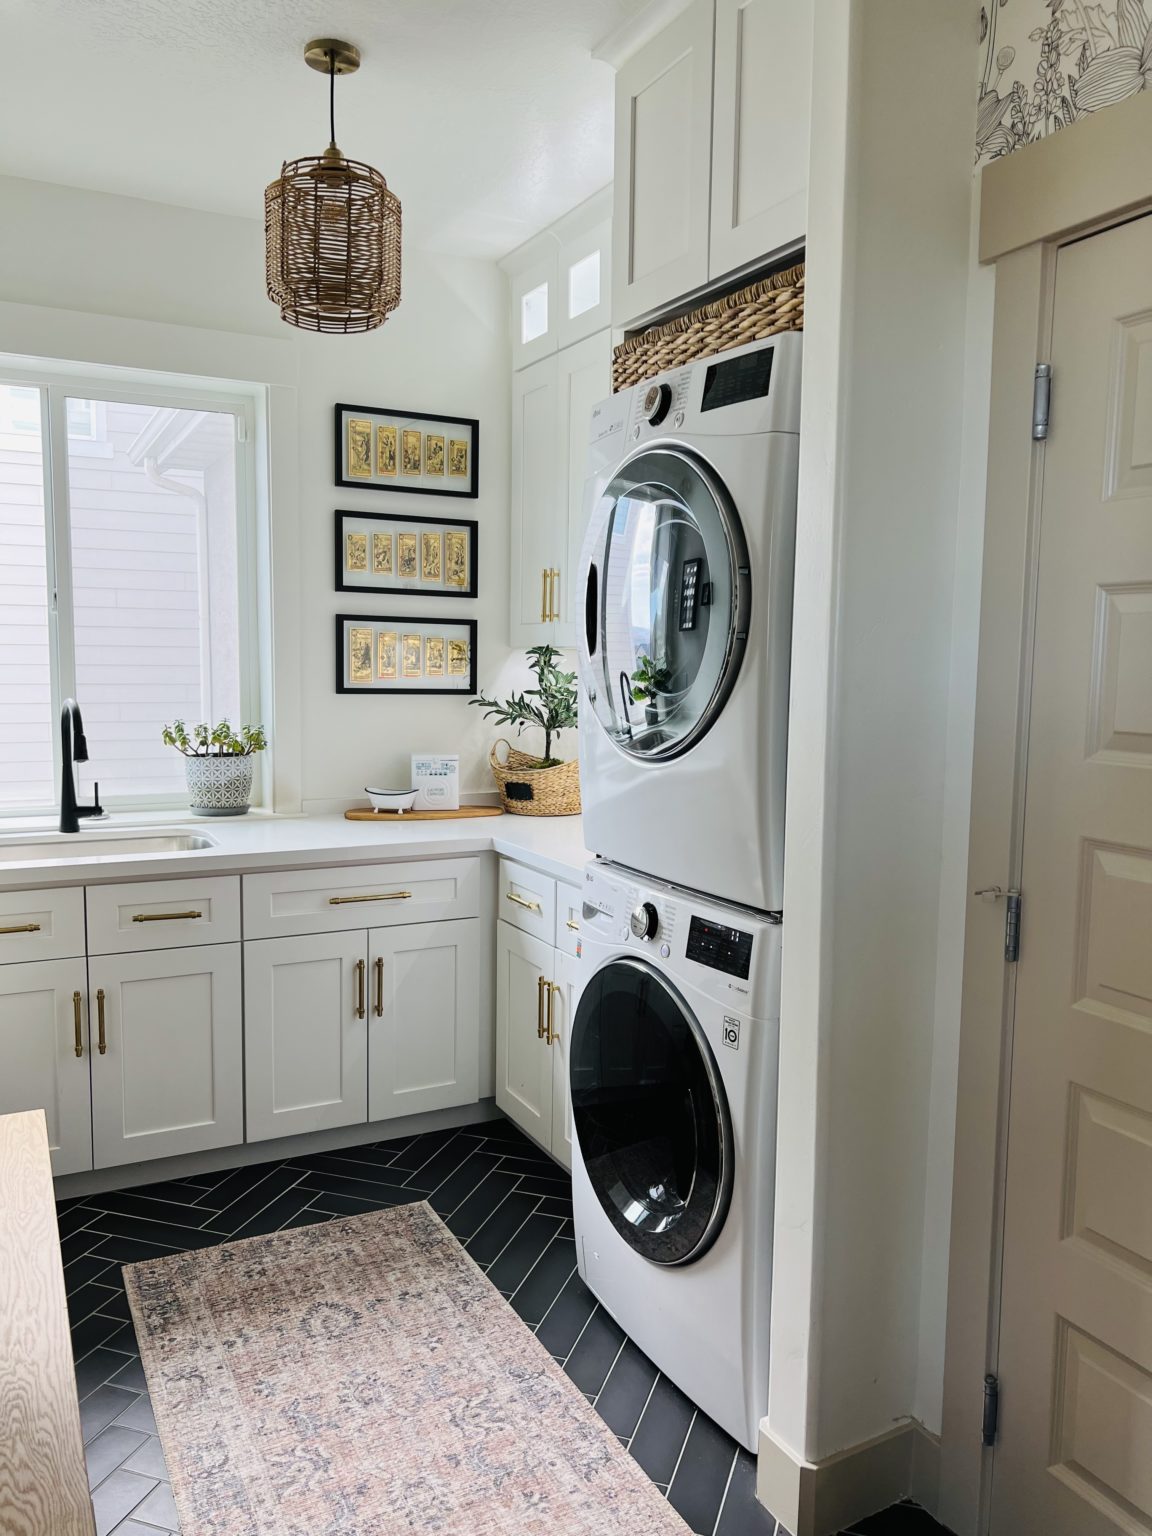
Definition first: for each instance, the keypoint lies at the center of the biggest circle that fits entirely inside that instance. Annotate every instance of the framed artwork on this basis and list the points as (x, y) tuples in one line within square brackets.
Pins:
[(426, 455), (405, 655), (378, 552)]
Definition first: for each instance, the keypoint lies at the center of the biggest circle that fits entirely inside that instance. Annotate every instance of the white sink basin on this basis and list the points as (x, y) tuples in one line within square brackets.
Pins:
[(65, 845)]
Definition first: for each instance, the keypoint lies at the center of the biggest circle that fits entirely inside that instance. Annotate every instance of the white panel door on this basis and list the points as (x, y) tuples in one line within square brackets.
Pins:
[(567, 985), (662, 167), (1075, 1362), (424, 1024), (168, 1080), (523, 1059), (43, 1023), (536, 486), (762, 104), (585, 378), (306, 1033)]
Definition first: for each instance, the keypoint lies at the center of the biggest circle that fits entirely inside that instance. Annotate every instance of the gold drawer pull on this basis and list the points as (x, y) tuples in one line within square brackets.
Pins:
[(522, 901), (22, 928), (359, 989), (102, 1039), (76, 1019), (163, 917), (541, 983), (552, 1034), (574, 926), (379, 987), (341, 901)]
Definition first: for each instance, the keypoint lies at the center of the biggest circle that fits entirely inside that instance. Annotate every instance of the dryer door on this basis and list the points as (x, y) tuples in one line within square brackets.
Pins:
[(666, 603), (649, 1114)]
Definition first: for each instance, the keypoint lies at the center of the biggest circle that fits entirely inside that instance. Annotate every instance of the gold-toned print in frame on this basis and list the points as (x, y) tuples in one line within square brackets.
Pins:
[(385, 450), (359, 449), (386, 654), (458, 457), (434, 656), (382, 554), (455, 558), (356, 552), (413, 656), (431, 557), (433, 454), (359, 655), (412, 459), (457, 658), (407, 556)]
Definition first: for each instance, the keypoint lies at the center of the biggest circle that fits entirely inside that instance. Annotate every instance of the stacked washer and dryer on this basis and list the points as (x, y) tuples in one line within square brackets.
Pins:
[(684, 652)]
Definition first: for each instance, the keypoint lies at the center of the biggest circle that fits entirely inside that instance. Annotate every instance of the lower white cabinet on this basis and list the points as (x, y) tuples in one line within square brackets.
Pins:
[(44, 1049), (567, 984), (166, 1027)]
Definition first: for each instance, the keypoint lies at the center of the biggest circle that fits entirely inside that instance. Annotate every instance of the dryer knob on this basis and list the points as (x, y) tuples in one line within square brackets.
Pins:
[(645, 921), (657, 403)]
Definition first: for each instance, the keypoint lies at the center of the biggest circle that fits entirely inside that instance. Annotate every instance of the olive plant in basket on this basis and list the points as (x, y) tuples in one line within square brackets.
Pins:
[(218, 763), (537, 786)]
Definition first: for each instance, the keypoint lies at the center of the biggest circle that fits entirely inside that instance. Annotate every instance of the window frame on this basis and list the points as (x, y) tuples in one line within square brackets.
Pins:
[(55, 387)]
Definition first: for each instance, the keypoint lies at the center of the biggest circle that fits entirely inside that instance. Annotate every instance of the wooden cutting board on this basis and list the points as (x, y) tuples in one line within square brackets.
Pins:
[(465, 810)]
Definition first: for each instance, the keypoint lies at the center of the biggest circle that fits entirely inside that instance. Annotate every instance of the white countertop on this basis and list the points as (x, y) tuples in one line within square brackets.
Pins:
[(552, 844)]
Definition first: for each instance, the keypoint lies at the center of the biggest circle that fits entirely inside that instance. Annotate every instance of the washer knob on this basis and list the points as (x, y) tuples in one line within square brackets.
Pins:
[(657, 403), (645, 921)]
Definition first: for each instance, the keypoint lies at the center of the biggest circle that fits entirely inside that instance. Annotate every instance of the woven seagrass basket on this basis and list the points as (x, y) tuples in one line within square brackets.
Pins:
[(527, 788), (762, 309)]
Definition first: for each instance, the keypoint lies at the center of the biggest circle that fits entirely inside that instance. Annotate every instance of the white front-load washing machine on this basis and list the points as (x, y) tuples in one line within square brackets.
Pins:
[(684, 643), (672, 1068)]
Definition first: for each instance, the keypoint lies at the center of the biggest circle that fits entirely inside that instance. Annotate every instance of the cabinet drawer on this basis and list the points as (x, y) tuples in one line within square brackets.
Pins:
[(163, 914), (298, 901), (41, 925), (569, 900), (527, 900)]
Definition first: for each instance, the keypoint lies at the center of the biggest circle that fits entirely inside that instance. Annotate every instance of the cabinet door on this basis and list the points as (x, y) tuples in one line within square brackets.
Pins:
[(38, 1041), (567, 985), (662, 153), (424, 1026), (535, 310), (536, 447), (523, 1059), (762, 96), (169, 1078), (585, 380), (584, 282), (306, 1033)]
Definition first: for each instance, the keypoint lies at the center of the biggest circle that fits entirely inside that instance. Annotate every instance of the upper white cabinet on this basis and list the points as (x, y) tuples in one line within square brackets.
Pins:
[(561, 282)]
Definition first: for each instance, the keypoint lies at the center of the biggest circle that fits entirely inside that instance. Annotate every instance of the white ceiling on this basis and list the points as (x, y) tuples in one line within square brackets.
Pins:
[(489, 118)]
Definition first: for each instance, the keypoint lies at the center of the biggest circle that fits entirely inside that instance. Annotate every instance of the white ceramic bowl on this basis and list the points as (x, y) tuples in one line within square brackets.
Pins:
[(391, 799)]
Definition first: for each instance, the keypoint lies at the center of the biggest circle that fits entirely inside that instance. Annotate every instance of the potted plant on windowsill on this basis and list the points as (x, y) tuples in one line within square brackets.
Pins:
[(218, 763), (537, 786)]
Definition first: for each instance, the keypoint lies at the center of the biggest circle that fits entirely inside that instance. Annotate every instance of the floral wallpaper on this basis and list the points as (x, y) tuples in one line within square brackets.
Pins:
[(1044, 63)]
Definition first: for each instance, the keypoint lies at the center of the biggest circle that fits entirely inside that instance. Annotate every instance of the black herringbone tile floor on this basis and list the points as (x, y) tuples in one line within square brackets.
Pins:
[(508, 1204)]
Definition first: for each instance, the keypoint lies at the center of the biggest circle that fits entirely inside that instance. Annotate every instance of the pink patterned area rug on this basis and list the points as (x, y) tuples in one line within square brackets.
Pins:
[(364, 1378)]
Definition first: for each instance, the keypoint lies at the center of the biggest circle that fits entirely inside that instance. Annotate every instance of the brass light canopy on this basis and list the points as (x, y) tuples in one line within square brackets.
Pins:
[(332, 228)]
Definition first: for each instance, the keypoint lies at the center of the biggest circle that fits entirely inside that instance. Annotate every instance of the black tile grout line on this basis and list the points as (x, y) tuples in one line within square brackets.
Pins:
[(724, 1495)]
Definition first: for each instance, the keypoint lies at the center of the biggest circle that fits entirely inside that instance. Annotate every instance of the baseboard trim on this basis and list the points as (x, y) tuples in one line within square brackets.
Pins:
[(821, 1498)]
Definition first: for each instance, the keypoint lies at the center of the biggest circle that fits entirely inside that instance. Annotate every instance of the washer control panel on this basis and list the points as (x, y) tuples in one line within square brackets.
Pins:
[(645, 921), (719, 947)]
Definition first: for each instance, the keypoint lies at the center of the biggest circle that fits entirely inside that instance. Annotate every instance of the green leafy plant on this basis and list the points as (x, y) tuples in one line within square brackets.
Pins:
[(551, 705), (214, 740), (648, 680)]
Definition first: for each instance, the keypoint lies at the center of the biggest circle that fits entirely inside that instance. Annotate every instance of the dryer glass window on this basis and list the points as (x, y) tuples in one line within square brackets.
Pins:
[(649, 1114), (673, 597)]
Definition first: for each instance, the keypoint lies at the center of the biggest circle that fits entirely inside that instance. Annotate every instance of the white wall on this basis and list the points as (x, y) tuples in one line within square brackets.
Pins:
[(120, 281)]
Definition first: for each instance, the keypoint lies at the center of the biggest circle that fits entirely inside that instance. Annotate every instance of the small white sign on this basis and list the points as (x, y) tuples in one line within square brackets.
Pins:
[(436, 779), (731, 1032)]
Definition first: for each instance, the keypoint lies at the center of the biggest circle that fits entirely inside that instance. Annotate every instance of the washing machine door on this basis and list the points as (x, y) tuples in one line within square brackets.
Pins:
[(650, 1114), (667, 600)]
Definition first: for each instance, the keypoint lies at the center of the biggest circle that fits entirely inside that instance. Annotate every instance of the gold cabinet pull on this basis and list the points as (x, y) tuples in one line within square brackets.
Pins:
[(553, 595), (379, 986), (77, 1021), (541, 983), (574, 926), (522, 901), (163, 917), (552, 1034), (544, 596), (22, 928), (360, 989), (343, 901), (102, 1039)]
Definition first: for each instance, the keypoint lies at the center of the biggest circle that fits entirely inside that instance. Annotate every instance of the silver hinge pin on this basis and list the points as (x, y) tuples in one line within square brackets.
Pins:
[(1041, 401)]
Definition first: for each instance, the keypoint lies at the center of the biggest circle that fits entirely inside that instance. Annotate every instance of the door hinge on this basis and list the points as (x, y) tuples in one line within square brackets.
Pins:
[(991, 1419), (1041, 401), (1011, 917)]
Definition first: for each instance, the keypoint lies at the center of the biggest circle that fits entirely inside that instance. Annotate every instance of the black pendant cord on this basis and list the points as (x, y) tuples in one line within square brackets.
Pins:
[(332, 97)]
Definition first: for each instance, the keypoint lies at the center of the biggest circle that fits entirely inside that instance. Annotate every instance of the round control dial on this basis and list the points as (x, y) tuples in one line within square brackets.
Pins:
[(657, 403), (645, 921)]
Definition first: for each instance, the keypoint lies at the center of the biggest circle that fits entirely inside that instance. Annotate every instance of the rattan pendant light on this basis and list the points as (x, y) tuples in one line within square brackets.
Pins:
[(332, 228)]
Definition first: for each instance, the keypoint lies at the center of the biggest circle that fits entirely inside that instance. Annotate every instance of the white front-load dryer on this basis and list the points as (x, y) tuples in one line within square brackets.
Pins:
[(684, 643), (672, 1068)]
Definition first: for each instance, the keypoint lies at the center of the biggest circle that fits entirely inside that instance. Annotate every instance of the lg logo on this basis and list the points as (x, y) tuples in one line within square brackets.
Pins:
[(732, 1033)]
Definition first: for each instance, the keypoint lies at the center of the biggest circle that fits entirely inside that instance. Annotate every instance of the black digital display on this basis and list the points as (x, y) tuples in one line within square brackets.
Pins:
[(740, 378), (723, 949)]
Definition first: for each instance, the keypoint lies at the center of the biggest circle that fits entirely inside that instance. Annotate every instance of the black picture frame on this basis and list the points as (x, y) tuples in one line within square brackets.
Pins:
[(385, 620), (470, 492), (401, 520)]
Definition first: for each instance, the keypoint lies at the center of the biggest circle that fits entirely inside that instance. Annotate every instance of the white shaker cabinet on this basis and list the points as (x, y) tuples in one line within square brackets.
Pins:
[(167, 1053), (44, 1050), (524, 1064), (567, 985), (762, 100)]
